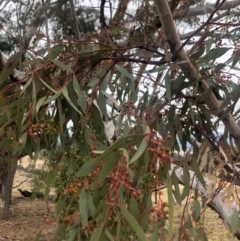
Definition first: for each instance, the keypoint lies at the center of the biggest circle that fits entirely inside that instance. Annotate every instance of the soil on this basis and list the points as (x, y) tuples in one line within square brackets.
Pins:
[(28, 217)]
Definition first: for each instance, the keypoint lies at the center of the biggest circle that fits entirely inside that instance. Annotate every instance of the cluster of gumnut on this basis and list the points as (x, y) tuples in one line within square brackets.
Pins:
[(74, 189), (160, 159), (118, 179)]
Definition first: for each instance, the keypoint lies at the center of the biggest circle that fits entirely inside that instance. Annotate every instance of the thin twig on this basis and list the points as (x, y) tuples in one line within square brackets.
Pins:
[(74, 20), (22, 182)]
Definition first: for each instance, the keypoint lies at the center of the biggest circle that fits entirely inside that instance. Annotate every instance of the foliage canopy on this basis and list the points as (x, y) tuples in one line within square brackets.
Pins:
[(127, 97)]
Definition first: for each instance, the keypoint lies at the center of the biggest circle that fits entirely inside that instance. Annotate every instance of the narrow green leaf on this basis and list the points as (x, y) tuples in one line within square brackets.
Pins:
[(133, 207), (213, 55), (196, 210), (81, 94), (186, 181), (219, 67), (62, 65), (168, 86), (65, 94), (176, 191), (93, 82), (61, 232), (141, 149), (124, 142), (91, 205), (8, 68), (109, 235), (107, 168), (54, 52), (124, 72), (102, 103), (170, 207), (48, 86), (27, 85), (209, 44), (73, 231), (83, 207), (100, 229), (86, 168), (45, 100), (133, 223), (38, 236), (234, 61), (155, 234), (197, 172), (197, 54), (60, 204), (235, 222), (105, 81)]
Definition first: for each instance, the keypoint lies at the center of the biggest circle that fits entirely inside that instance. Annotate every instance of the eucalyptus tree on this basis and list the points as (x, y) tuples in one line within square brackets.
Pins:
[(156, 74)]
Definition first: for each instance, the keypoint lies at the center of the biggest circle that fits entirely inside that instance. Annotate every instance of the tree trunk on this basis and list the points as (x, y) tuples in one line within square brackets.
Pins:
[(7, 172)]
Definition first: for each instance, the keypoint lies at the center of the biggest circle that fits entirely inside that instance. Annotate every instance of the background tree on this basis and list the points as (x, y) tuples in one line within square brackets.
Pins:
[(159, 91)]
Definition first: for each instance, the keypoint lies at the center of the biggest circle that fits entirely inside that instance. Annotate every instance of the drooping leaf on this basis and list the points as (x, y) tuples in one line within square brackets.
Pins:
[(83, 207), (176, 191), (155, 234), (133, 207), (65, 94), (235, 222), (124, 142), (62, 65), (142, 147), (123, 71), (196, 210), (213, 55), (133, 223), (73, 231), (61, 232), (170, 207), (102, 104), (81, 94), (48, 86), (168, 87), (86, 168), (198, 53), (107, 167), (54, 52), (45, 100), (105, 81)]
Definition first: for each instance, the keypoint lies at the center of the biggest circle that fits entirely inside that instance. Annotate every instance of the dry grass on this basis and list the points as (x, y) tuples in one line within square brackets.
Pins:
[(212, 224)]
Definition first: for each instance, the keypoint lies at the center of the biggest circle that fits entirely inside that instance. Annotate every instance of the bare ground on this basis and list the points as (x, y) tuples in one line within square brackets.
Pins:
[(28, 218)]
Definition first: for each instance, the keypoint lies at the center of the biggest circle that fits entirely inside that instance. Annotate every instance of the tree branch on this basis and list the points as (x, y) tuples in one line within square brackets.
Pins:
[(189, 70), (102, 16), (120, 12), (206, 9), (74, 20)]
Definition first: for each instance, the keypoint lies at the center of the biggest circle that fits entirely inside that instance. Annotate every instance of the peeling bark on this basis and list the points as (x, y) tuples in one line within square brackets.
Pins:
[(216, 203)]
